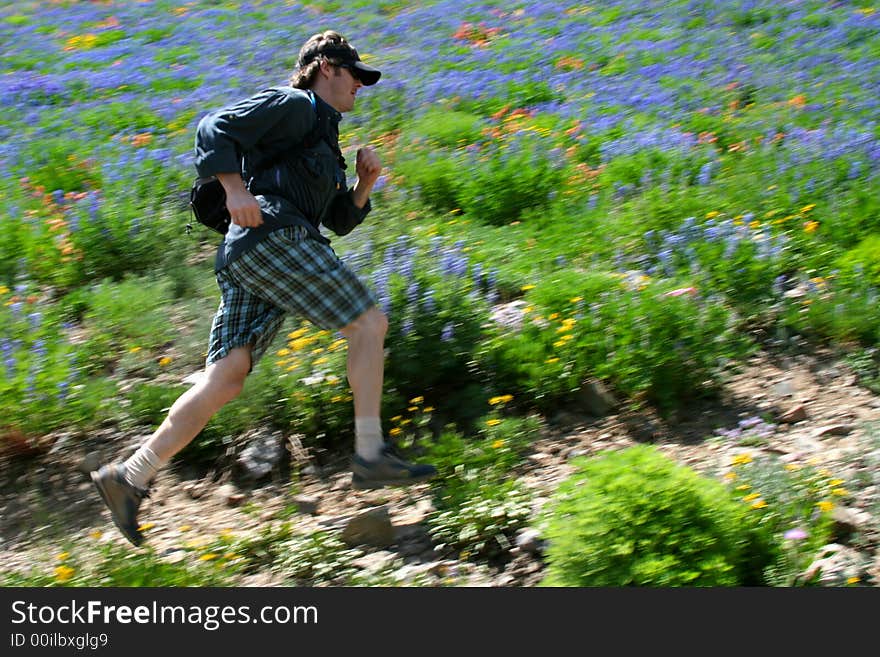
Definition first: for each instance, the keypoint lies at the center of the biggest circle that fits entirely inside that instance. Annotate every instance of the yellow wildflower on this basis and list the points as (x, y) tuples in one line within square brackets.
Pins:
[(839, 492), (208, 556), (759, 504), (811, 226), (498, 444), (417, 400), (494, 422), (825, 505), (64, 573), (164, 361), (742, 459), (750, 497), (63, 556), (396, 431)]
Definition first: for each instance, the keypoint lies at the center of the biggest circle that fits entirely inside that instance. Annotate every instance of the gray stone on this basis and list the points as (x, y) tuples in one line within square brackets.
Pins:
[(529, 541), (307, 504), (836, 565), (231, 495), (90, 462), (372, 527), (595, 399), (262, 453), (848, 521)]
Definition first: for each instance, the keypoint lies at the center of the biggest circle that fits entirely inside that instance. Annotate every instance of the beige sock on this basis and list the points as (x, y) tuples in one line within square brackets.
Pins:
[(368, 440), (141, 467)]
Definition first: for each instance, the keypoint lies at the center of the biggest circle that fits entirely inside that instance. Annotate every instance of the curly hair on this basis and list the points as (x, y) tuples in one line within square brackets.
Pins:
[(310, 58)]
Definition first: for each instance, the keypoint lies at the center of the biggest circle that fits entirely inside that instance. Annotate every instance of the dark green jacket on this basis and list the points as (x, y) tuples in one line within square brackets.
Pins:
[(287, 148)]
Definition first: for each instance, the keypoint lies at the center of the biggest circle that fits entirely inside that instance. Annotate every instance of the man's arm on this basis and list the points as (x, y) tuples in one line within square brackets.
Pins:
[(243, 207), (368, 169)]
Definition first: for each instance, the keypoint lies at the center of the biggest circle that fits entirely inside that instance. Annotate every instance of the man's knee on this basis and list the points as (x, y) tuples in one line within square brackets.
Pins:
[(227, 375), (372, 322)]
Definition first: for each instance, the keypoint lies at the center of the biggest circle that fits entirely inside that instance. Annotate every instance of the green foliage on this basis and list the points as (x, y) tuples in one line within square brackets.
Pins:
[(635, 518), (479, 508), (118, 566), (506, 176), (828, 312), (646, 338), (43, 386), (794, 503), (483, 525), (860, 266)]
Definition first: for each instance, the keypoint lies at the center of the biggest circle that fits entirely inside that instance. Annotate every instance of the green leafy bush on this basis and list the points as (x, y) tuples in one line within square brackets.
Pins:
[(634, 517), (506, 176), (650, 340)]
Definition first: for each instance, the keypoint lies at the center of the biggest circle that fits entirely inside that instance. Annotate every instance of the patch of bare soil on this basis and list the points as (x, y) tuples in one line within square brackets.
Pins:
[(821, 414)]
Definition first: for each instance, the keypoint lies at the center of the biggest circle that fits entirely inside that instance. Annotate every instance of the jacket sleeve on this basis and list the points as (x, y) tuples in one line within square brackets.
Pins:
[(343, 215), (268, 116)]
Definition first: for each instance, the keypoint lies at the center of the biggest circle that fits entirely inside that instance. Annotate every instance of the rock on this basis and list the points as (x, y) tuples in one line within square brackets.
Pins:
[(372, 527), (307, 504), (510, 315), (529, 541), (90, 463), (795, 414), (231, 495), (376, 562), (595, 399), (784, 389), (834, 430), (848, 521), (836, 565), (262, 453)]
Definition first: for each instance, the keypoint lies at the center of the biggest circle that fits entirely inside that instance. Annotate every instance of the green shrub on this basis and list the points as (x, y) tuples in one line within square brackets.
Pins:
[(506, 176), (636, 518), (860, 266), (650, 340)]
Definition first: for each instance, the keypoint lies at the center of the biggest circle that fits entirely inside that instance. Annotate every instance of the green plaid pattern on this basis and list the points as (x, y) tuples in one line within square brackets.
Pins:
[(288, 272)]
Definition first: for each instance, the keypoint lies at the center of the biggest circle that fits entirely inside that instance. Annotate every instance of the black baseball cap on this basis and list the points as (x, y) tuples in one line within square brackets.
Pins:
[(349, 58)]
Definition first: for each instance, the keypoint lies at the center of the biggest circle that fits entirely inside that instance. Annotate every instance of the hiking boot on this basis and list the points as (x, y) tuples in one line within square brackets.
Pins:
[(123, 499), (388, 470)]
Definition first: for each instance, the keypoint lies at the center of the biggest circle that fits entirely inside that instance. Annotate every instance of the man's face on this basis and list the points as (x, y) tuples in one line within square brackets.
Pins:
[(343, 89)]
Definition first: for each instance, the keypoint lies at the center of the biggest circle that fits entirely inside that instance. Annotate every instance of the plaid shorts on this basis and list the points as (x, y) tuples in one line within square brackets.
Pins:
[(288, 272)]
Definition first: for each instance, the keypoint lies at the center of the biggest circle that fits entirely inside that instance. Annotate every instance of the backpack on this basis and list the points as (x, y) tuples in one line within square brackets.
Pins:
[(207, 198)]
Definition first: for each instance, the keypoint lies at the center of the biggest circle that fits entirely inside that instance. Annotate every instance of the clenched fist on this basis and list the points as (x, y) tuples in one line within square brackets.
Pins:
[(368, 166)]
